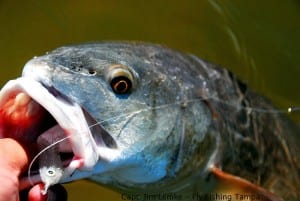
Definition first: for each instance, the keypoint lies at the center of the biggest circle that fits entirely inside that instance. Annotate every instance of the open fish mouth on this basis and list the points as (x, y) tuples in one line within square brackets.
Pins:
[(29, 109)]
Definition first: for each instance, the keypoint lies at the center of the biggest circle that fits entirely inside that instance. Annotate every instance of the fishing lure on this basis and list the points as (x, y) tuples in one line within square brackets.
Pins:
[(50, 163)]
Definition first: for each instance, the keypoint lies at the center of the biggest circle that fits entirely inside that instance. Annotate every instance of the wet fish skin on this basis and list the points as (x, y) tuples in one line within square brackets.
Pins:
[(182, 116)]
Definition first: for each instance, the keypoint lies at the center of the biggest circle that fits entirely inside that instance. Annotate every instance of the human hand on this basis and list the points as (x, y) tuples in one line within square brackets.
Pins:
[(14, 161)]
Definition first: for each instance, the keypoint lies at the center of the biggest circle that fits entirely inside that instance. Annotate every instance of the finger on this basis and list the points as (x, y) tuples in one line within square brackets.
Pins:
[(54, 193), (13, 156), (35, 194)]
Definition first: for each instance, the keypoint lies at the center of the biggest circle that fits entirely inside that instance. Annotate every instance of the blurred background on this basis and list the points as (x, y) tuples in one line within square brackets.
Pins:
[(257, 40)]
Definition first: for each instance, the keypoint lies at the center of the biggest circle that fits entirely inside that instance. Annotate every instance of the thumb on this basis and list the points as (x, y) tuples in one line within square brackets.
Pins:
[(13, 161), (13, 156)]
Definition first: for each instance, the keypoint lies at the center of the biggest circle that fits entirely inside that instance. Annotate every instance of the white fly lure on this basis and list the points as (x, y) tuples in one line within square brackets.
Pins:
[(50, 164)]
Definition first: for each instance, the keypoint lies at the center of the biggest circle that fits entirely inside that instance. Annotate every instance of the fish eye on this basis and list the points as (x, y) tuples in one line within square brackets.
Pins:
[(120, 78), (120, 84)]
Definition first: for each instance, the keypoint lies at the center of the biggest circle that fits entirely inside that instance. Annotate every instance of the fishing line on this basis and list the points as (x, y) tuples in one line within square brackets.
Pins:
[(180, 102), (40, 153), (257, 109), (63, 139), (250, 109)]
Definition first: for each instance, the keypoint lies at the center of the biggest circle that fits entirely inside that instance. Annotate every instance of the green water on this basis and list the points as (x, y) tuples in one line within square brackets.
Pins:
[(258, 40)]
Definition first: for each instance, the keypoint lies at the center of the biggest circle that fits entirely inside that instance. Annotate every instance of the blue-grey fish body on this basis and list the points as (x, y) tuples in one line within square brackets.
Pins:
[(172, 123)]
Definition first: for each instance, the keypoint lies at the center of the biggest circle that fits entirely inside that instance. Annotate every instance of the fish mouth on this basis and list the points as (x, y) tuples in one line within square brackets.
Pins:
[(29, 109)]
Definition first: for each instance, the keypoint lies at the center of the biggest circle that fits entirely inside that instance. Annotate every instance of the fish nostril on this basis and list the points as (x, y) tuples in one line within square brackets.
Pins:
[(92, 72)]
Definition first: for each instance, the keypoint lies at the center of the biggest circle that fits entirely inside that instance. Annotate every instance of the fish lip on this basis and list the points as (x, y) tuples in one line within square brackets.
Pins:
[(69, 116)]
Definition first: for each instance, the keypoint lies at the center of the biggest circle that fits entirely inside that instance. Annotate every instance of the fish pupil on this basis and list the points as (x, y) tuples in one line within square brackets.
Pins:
[(121, 84)]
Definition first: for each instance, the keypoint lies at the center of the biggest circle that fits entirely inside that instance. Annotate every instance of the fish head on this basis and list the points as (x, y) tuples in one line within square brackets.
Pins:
[(132, 113)]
